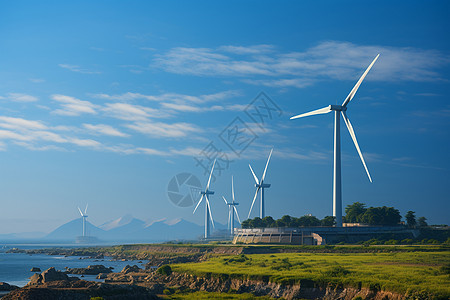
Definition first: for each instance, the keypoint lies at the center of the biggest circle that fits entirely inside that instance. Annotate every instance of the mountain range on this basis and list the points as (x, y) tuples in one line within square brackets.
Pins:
[(128, 229)]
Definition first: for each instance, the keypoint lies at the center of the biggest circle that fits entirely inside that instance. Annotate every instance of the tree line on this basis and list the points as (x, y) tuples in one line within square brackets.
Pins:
[(354, 213), (288, 221)]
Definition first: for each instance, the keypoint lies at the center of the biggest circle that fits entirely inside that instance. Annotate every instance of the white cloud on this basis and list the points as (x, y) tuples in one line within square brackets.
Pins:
[(77, 69), (104, 130), (131, 112), (331, 59), (10, 135), (73, 107), (19, 97), (159, 129), (85, 143), (20, 124)]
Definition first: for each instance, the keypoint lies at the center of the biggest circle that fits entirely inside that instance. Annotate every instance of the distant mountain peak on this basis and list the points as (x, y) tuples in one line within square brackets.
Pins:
[(124, 220)]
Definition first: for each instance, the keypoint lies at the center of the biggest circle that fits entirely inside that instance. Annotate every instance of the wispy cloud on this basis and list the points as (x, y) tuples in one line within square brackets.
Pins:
[(19, 97), (267, 66), (169, 103), (159, 129), (77, 69), (73, 107), (102, 129), (131, 112)]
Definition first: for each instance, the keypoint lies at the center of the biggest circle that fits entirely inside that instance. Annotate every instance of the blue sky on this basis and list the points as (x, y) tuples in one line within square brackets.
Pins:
[(103, 102)]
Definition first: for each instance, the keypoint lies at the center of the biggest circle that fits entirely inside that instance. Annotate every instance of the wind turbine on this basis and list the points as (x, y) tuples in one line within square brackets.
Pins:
[(84, 216), (338, 110), (208, 214), (232, 209), (260, 185)]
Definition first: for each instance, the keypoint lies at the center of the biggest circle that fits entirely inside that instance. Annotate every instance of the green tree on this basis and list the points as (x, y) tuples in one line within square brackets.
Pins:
[(286, 219), (308, 221), (354, 212), (328, 221), (268, 221), (381, 216), (245, 223), (422, 221), (256, 223), (410, 218)]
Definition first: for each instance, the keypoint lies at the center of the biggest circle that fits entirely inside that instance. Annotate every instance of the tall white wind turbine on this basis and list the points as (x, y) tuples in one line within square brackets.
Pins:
[(208, 214), (84, 216), (260, 185), (232, 209), (338, 110)]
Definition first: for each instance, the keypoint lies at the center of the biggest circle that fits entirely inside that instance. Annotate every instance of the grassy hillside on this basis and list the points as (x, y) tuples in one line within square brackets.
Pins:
[(418, 272)]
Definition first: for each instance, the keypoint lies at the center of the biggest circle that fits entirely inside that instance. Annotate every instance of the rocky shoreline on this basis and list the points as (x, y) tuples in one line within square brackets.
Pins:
[(135, 283), (150, 282)]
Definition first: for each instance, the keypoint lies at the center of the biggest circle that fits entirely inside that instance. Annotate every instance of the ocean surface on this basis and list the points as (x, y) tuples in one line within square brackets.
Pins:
[(15, 267)]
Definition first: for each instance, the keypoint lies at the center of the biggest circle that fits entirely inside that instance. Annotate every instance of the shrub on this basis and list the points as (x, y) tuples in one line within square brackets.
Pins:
[(164, 270)]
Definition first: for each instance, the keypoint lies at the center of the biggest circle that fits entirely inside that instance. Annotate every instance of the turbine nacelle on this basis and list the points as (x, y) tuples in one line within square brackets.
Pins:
[(338, 107), (262, 185), (206, 193)]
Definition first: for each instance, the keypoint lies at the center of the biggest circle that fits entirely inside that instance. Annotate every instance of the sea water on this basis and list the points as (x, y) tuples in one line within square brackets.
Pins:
[(15, 267)]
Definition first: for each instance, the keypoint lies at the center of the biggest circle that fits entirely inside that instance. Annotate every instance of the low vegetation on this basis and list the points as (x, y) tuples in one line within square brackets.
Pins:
[(412, 273)]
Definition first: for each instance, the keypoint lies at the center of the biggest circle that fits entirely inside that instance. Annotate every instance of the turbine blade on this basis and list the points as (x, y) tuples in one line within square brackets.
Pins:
[(85, 211), (267, 163), (210, 174), (229, 217), (81, 213), (253, 202), (355, 88), (200, 201), (225, 200), (232, 188), (237, 214), (352, 134), (319, 111), (209, 209), (254, 176)]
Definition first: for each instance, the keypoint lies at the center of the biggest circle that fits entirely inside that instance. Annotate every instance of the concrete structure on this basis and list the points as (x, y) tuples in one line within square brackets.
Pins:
[(320, 235), (291, 236)]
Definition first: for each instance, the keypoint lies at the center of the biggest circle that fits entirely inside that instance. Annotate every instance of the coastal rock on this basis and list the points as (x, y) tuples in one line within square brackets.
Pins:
[(90, 270), (81, 290), (129, 269), (49, 275), (7, 287), (35, 269)]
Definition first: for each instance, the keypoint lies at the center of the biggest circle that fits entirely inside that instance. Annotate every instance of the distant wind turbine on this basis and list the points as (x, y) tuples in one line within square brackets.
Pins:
[(260, 185), (84, 216), (338, 110), (232, 209), (208, 214)]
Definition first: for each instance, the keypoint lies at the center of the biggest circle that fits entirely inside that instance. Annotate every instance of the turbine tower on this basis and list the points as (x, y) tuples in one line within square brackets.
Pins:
[(338, 111), (260, 185), (232, 209), (208, 214), (84, 216)]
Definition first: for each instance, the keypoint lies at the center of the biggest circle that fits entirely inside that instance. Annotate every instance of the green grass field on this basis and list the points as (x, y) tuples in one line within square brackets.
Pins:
[(420, 272)]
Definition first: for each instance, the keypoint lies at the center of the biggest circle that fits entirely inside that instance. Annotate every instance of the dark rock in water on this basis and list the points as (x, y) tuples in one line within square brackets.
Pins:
[(90, 270), (129, 269), (7, 287), (35, 269), (48, 276)]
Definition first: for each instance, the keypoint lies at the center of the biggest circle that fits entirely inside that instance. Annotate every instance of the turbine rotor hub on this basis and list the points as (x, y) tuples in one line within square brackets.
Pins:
[(338, 107)]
